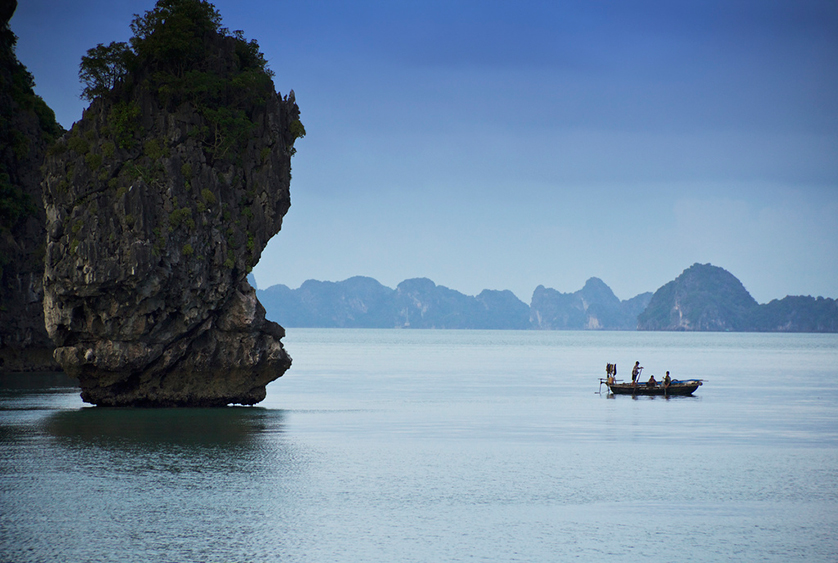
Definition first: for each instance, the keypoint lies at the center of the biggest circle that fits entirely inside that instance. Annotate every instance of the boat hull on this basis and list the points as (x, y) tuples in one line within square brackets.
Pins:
[(674, 389)]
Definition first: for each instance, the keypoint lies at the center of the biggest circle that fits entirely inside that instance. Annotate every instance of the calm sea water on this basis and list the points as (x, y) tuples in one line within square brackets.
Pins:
[(430, 446)]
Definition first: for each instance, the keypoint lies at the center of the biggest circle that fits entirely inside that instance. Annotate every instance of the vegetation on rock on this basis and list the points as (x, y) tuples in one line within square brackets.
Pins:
[(175, 51), (17, 85), (27, 127), (103, 68)]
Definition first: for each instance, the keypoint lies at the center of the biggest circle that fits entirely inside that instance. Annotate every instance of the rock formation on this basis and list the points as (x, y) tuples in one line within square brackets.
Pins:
[(706, 299), (594, 307), (362, 302), (27, 126), (159, 202), (796, 313), (703, 298), (357, 302)]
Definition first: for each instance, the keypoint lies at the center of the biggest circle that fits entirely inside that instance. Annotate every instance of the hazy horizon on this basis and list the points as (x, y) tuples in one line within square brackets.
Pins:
[(525, 298), (493, 146)]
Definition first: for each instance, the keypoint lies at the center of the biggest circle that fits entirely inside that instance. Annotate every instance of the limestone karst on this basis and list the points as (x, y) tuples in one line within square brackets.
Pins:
[(159, 202), (27, 126)]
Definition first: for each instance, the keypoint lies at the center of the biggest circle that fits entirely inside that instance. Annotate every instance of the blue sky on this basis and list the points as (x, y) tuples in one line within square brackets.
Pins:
[(504, 145)]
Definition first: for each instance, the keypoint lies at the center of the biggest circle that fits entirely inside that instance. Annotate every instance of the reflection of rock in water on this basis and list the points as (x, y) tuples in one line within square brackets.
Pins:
[(152, 429), (38, 381)]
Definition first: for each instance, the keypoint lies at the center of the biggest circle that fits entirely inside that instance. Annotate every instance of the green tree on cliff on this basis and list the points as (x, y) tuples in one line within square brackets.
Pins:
[(171, 35), (169, 42), (174, 52), (17, 97), (103, 68)]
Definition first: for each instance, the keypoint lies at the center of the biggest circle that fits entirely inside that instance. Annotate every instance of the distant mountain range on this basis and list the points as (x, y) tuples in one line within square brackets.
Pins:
[(702, 298), (362, 302)]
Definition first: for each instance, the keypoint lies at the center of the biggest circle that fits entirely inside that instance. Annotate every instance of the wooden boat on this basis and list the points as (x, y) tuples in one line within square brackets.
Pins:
[(676, 387)]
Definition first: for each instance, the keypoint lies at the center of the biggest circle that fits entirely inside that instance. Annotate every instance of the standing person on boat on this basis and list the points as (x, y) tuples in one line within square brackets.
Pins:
[(667, 380), (635, 371)]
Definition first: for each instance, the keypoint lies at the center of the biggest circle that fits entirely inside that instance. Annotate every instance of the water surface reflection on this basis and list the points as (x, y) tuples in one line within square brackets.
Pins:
[(229, 427), (150, 484)]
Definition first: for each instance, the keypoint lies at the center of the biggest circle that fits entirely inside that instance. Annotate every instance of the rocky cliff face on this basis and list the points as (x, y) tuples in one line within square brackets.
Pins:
[(594, 307), (356, 302), (703, 298), (159, 202), (27, 126), (420, 303), (796, 314)]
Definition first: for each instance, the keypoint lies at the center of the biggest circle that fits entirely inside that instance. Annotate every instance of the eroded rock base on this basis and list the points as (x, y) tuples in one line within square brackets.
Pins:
[(228, 359)]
